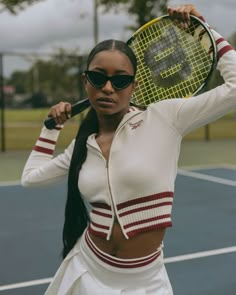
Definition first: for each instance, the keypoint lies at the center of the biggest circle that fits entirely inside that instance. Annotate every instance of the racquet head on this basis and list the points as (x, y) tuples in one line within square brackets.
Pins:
[(172, 62)]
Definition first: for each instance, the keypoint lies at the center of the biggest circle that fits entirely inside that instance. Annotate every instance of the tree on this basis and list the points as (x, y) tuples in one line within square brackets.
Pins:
[(143, 10), (15, 5), (56, 76)]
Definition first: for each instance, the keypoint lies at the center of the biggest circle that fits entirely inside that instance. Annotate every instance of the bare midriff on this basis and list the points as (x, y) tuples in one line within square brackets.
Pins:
[(140, 245)]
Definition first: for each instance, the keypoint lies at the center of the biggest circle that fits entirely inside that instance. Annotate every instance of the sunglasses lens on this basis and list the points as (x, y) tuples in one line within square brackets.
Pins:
[(122, 81), (96, 79)]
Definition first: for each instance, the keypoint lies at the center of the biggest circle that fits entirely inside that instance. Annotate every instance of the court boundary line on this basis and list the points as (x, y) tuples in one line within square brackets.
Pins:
[(206, 177), (201, 254), (10, 183), (167, 260), (25, 284)]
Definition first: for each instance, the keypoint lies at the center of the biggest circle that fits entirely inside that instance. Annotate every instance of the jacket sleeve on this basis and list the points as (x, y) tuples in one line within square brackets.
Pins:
[(41, 167), (186, 115)]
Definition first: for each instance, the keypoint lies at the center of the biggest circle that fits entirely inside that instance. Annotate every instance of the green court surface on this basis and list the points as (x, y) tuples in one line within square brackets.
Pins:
[(193, 153)]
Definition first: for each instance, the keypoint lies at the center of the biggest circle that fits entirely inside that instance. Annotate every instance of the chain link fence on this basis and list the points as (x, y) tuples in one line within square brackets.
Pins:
[(31, 83)]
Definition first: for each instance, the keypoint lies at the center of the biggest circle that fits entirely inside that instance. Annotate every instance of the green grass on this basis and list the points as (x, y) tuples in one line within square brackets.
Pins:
[(201, 153), (26, 115), (24, 137), (22, 128), (224, 128)]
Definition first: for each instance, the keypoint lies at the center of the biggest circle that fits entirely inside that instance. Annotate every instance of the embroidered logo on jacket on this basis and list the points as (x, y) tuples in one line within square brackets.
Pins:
[(136, 124)]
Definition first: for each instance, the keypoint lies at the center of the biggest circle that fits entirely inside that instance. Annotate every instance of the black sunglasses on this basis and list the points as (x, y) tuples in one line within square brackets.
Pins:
[(99, 80)]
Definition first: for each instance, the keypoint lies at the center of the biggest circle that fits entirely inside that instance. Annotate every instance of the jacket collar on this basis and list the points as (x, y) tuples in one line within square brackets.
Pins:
[(133, 111)]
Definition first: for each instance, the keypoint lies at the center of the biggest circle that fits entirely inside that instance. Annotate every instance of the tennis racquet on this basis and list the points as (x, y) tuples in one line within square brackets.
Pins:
[(172, 62)]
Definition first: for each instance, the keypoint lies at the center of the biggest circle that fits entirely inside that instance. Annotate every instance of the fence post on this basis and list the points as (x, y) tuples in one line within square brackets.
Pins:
[(207, 132), (2, 102)]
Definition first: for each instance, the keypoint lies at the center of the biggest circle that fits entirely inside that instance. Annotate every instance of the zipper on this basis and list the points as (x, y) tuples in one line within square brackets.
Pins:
[(116, 217), (114, 211), (114, 214)]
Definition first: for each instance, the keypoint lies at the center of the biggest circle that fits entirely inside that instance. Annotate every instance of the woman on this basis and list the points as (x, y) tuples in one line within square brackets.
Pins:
[(121, 169)]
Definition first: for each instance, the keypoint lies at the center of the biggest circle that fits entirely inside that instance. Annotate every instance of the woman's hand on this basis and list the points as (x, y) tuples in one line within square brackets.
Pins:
[(181, 14), (60, 112)]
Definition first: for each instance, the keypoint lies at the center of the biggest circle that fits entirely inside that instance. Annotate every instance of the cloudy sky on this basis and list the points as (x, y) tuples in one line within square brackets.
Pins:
[(52, 24)]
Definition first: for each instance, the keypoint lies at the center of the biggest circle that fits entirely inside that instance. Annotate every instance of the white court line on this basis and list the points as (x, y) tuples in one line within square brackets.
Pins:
[(166, 260), (25, 284), (9, 183), (207, 177), (200, 254)]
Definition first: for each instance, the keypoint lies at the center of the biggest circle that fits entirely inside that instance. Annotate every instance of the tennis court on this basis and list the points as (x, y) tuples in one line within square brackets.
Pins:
[(200, 249)]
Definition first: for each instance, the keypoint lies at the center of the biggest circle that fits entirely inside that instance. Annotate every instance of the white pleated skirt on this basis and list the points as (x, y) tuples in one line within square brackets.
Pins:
[(88, 271)]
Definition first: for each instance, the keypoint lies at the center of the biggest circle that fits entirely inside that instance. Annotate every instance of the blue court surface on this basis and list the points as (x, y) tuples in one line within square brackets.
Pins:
[(200, 248)]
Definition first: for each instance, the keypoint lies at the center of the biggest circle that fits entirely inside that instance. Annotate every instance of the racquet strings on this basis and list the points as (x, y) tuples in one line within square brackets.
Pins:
[(172, 62)]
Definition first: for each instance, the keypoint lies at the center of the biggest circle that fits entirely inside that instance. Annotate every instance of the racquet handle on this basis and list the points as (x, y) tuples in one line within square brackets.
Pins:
[(76, 108)]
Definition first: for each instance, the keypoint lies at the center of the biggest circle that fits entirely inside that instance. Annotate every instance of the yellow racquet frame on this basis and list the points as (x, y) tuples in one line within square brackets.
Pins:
[(172, 62)]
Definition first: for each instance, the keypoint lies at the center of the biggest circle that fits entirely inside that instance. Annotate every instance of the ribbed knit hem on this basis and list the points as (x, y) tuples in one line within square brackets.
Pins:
[(118, 262)]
